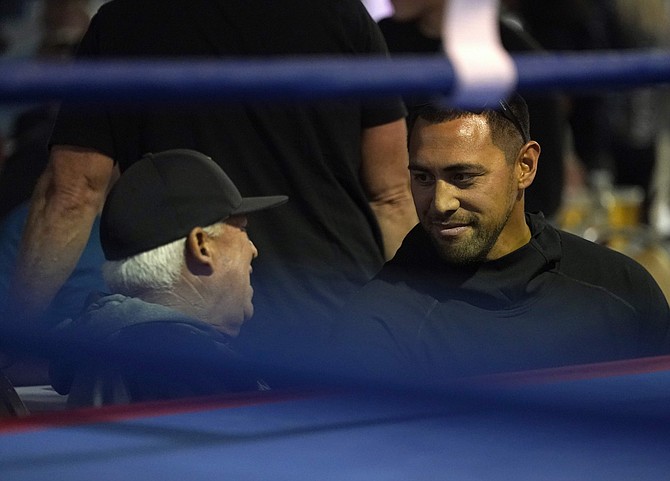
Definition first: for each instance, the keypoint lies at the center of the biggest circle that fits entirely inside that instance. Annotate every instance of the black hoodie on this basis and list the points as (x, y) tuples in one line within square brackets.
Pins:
[(558, 300)]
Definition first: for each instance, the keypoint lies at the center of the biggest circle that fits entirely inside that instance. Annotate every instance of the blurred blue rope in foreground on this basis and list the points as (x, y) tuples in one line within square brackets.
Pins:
[(294, 78)]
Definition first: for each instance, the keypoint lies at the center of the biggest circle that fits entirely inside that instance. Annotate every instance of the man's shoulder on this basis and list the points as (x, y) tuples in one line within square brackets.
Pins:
[(614, 271), (173, 342), (583, 254), (107, 315)]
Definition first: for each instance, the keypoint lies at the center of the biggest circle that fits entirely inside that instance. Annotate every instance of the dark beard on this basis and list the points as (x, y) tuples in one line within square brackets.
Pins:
[(475, 250)]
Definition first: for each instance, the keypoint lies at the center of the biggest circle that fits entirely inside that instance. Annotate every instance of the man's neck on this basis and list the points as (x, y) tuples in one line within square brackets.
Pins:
[(172, 299), (513, 238)]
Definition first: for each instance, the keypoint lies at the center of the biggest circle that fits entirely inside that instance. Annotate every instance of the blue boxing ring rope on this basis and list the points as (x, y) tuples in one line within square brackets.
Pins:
[(312, 78)]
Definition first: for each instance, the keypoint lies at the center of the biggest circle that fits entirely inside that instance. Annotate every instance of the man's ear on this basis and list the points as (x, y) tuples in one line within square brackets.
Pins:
[(199, 252), (527, 164)]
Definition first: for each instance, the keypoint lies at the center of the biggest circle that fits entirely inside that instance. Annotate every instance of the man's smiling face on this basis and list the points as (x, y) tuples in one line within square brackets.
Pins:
[(465, 189)]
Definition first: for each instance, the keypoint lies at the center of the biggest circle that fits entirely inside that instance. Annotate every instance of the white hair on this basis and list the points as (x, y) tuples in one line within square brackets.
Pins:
[(154, 270)]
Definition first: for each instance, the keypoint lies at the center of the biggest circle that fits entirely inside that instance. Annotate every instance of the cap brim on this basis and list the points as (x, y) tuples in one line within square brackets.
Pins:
[(254, 204)]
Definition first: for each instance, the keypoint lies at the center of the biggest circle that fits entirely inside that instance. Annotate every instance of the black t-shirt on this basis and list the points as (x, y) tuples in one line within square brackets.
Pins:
[(406, 37), (325, 242)]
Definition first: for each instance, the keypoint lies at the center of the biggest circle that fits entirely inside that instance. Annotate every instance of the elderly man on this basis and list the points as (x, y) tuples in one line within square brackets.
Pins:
[(481, 286), (173, 230)]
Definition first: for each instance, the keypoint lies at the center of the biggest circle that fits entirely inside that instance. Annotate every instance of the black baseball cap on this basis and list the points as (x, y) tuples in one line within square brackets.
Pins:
[(163, 196)]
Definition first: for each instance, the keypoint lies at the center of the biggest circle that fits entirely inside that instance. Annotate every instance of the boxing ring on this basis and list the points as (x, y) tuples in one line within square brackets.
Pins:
[(596, 422), (608, 421)]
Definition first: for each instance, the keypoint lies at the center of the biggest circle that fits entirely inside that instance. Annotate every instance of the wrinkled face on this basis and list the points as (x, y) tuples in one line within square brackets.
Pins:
[(232, 275), (412, 10), (464, 190)]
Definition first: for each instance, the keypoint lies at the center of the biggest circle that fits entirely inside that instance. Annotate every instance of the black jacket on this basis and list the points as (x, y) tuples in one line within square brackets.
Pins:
[(124, 349), (556, 301)]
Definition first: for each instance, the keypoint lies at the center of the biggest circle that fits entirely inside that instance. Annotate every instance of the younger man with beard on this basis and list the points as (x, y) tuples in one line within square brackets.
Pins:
[(480, 286)]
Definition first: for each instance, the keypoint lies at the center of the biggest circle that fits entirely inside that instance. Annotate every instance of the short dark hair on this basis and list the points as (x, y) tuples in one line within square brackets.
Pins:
[(509, 120)]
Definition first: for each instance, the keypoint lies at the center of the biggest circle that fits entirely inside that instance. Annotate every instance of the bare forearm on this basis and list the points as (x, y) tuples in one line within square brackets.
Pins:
[(53, 240), (386, 178), (57, 230), (395, 217)]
